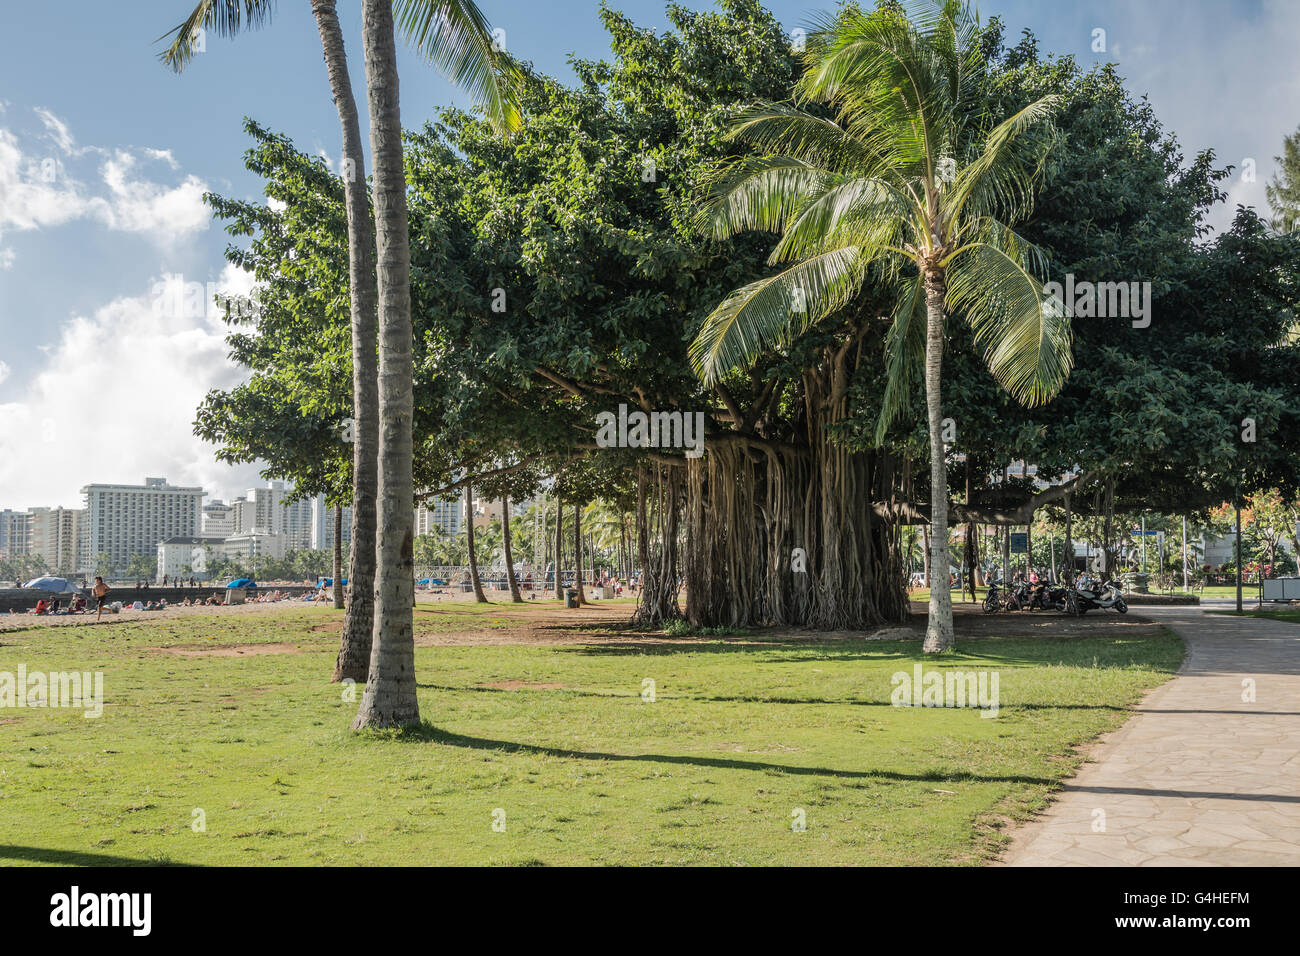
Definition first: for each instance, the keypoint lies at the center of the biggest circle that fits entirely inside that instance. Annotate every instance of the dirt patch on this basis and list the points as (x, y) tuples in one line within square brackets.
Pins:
[(522, 685), (329, 627), (229, 650)]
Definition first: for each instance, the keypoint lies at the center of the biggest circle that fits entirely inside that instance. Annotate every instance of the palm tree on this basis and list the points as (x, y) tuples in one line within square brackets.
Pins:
[(455, 36), (227, 18), (911, 181)]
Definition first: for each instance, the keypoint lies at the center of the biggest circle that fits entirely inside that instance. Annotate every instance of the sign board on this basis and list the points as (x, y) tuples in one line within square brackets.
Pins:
[(1018, 542)]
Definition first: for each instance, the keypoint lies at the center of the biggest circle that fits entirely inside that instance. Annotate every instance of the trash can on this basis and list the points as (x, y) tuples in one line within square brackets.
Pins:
[(235, 595), (570, 598), (466, 586)]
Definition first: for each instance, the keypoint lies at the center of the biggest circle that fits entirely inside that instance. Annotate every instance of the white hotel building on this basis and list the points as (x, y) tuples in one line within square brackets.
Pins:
[(125, 520)]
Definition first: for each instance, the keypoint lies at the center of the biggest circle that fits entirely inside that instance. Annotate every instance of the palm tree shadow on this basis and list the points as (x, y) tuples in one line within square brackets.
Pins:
[(425, 732), (36, 854)]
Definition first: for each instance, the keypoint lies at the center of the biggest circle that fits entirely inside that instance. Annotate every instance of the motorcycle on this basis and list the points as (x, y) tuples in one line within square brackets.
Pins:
[(1092, 594), (996, 599)]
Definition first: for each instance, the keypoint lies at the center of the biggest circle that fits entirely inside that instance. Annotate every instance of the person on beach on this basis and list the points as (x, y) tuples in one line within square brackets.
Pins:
[(101, 592)]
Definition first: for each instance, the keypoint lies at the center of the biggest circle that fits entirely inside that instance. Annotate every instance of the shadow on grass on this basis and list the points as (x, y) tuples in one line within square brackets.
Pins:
[(908, 652), (425, 732), (35, 854), (743, 698)]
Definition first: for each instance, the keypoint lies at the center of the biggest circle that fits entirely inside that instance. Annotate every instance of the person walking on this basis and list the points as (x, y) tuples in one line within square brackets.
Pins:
[(101, 593)]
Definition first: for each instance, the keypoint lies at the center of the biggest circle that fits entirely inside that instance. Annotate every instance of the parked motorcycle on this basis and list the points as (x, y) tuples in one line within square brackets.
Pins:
[(1092, 594)]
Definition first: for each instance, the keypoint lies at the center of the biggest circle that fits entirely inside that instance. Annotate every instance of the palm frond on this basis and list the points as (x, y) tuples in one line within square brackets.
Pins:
[(790, 131), (225, 18), (1001, 180), (762, 193), (866, 213), (904, 354), (1024, 333), (772, 311), (456, 37)]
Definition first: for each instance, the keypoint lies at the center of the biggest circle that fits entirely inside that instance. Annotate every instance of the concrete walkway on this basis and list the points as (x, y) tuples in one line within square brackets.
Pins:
[(1197, 777)]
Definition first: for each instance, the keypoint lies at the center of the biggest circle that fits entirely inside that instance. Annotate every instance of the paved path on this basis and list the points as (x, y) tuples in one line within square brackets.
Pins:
[(1197, 777)]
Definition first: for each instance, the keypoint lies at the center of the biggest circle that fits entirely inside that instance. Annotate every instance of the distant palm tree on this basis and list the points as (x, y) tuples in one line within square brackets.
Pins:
[(912, 178)]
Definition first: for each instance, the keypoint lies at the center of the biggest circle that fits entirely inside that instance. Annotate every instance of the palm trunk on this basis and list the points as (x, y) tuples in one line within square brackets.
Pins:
[(559, 548), (510, 558), (577, 554), (938, 630), (358, 624), (390, 699), (474, 579), (338, 557)]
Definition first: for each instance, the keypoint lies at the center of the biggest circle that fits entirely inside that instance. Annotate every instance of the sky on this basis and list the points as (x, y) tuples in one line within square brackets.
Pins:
[(105, 156)]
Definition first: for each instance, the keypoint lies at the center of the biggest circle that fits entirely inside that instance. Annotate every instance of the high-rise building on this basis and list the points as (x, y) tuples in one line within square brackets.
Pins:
[(269, 510), (218, 519), (55, 534), (295, 522), (322, 525), (440, 517), (126, 520), (13, 533), (186, 556)]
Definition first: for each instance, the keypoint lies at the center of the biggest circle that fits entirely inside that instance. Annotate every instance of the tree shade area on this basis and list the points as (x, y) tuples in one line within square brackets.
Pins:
[(563, 273)]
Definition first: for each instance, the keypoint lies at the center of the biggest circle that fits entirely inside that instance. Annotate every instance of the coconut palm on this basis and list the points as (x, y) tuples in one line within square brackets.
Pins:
[(455, 36), (911, 181), (227, 18)]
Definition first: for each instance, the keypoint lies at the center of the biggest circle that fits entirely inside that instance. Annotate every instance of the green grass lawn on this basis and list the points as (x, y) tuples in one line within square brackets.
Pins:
[(739, 739)]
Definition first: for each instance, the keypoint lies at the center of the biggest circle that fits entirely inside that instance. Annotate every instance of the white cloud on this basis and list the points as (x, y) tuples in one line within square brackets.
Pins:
[(115, 399), (137, 206), (6, 258), (1220, 76), (42, 191), (57, 129), (4, 372)]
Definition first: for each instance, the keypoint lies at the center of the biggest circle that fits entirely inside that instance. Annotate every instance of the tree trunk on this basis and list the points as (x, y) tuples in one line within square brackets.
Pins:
[(358, 624), (390, 699), (1068, 556), (925, 554), (968, 549), (1029, 548), (474, 579), (559, 548), (510, 558), (338, 557), (577, 554), (938, 630), (1107, 555)]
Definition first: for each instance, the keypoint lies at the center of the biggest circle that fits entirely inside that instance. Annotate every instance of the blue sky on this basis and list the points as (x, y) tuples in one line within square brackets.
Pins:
[(104, 155)]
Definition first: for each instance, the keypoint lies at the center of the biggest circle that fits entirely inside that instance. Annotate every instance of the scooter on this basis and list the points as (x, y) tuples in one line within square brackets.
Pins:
[(1092, 594)]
